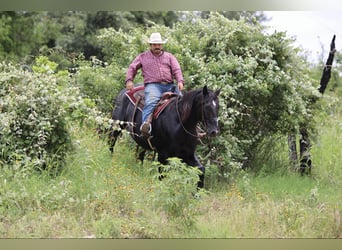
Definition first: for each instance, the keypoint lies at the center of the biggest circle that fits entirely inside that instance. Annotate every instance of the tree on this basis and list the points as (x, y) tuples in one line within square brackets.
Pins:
[(304, 142), (250, 16), (265, 84), (17, 37), (27, 34)]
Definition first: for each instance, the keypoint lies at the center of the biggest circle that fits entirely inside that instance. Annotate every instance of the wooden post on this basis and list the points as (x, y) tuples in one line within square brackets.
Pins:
[(305, 156), (304, 142), (291, 141)]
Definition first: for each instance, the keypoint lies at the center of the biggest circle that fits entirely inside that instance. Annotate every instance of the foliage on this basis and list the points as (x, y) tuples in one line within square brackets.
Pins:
[(174, 195), (16, 39), (101, 196), (47, 120), (34, 112), (5, 40), (251, 16), (44, 65), (266, 89), (24, 34), (98, 84)]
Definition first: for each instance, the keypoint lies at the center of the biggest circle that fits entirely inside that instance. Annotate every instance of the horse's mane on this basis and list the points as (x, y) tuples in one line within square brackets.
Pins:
[(186, 102)]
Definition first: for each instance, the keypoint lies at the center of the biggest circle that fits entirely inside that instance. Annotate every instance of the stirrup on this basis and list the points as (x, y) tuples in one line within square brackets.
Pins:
[(146, 129)]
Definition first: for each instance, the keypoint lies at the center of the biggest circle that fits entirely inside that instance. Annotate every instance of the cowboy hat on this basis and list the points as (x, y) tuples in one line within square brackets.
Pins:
[(156, 38)]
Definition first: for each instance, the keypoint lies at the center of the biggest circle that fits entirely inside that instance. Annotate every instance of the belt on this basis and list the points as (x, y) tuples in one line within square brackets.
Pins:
[(164, 83)]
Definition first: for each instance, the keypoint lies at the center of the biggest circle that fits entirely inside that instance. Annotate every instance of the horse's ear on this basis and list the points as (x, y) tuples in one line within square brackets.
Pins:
[(217, 92), (205, 90)]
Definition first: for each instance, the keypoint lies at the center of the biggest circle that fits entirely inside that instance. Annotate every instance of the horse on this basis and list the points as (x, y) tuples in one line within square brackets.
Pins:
[(175, 131), (125, 114)]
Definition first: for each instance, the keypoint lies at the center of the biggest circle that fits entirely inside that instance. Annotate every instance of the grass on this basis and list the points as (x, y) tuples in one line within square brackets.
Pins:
[(264, 217), (98, 195)]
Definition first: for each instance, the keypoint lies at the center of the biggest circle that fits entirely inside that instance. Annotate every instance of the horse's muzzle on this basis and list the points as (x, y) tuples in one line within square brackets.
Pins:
[(213, 132)]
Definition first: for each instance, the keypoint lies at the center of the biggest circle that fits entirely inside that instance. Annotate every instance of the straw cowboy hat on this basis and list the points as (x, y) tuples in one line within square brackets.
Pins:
[(156, 38)]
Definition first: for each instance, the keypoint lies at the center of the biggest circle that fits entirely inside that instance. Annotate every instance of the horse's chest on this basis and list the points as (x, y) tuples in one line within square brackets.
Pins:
[(174, 142)]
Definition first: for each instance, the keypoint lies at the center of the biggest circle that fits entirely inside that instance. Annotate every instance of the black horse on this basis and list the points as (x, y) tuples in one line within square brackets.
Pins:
[(174, 132)]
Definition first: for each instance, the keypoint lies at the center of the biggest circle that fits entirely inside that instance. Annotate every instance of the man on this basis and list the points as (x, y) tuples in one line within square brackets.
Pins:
[(159, 70)]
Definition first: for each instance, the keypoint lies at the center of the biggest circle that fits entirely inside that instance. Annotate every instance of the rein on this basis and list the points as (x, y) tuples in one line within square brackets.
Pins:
[(184, 128)]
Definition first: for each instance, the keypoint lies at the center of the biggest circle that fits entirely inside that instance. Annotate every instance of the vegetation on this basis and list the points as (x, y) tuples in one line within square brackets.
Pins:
[(100, 196), (58, 178)]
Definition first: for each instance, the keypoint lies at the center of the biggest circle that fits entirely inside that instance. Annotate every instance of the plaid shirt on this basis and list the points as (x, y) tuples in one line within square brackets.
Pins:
[(161, 68)]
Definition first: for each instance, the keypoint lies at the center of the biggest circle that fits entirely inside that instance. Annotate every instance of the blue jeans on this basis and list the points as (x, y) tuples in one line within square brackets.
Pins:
[(153, 92)]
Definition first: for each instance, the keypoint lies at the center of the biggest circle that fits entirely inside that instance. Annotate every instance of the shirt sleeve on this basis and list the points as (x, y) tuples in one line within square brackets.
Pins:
[(176, 69), (133, 68)]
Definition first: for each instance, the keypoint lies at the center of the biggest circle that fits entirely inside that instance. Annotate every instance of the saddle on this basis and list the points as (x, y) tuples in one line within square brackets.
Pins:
[(137, 97)]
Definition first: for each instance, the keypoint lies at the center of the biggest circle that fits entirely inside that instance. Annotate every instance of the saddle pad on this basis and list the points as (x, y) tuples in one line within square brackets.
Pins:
[(135, 94)]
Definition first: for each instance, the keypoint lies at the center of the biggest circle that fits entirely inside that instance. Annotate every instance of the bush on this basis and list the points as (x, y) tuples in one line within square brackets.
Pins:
[(174, 195), (266, 89), (100, 85), (34, 112)]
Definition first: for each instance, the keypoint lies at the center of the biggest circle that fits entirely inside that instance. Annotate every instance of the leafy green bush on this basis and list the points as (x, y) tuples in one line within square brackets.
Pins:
[(44, 65), (100, 85), (102, 82), (34, 112), (174, 195), (266, 89)]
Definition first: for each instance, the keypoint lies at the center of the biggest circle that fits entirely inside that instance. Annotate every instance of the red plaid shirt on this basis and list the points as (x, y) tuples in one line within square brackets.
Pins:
[(161, 68)]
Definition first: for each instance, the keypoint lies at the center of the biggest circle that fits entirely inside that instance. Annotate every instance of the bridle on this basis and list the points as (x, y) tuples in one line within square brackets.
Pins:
[(202, 120)]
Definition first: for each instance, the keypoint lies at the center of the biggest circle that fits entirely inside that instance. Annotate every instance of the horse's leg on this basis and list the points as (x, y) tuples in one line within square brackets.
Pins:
[(194, 162), (141, 155), (162, 158), (113, 136)]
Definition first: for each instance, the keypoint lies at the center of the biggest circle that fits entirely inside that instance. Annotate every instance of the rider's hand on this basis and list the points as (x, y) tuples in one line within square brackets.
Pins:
[(129, 85), (180, 86)]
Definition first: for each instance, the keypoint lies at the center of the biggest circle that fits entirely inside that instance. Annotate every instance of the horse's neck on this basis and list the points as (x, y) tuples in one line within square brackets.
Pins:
[(194, 113)]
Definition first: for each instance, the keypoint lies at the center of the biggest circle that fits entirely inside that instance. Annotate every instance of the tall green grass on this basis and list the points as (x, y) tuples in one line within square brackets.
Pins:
[(99, 195)]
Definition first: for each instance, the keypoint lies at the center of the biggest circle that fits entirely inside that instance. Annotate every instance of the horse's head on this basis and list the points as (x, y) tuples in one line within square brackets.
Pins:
[(210, 107)]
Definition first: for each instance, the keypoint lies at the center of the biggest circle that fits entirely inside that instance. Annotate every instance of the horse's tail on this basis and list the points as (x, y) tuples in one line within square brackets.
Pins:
[(117, 113)]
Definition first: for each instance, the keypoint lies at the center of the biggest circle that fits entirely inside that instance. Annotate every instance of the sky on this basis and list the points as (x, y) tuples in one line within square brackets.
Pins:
[(311, 29)]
